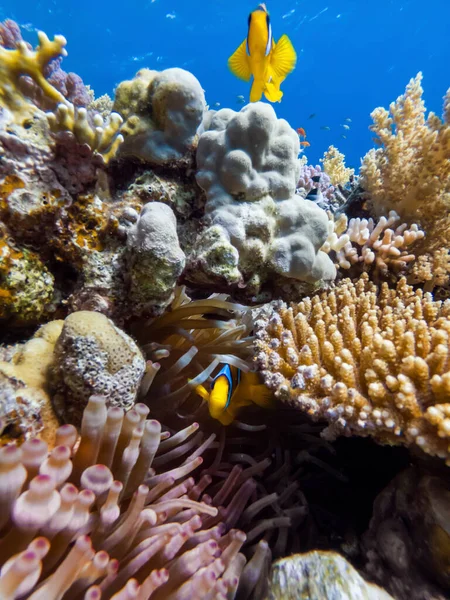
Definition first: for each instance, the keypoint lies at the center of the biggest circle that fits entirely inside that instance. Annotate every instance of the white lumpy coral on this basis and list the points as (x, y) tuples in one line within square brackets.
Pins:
[(248, 166)]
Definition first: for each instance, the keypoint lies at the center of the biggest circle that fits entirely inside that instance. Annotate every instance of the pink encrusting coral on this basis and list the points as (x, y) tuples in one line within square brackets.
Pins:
[(116, 513)]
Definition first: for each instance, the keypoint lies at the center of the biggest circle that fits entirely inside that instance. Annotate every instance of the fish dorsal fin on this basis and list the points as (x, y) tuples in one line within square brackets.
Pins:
[(283, 58), (239, 64)]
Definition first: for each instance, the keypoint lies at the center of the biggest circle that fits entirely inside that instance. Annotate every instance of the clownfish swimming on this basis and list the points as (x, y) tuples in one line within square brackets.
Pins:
[(259, 56), (231, 390)]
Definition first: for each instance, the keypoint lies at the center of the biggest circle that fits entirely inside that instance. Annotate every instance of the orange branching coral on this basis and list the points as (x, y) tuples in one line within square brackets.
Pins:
[(410, 173), (370, 362), (116, 514), (23, 61), (376, 247)]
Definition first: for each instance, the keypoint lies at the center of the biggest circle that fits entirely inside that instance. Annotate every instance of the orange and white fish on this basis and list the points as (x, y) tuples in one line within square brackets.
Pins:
[(259, 56), (231, 390)]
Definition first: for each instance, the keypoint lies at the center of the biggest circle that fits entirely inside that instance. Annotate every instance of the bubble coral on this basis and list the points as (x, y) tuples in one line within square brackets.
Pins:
[(98, 517), (369, 361)]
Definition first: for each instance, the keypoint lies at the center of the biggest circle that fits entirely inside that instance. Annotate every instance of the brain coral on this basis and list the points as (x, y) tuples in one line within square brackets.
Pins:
[(93, 356), (369, 361), (248, 166), (162, 112)]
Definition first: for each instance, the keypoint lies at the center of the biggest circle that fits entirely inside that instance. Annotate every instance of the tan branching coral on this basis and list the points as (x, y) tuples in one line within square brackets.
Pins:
[(433, 270), (22, 61), (100, 134), (366, 245), (410, 173), (370, 362), (117, 514), (334, 166)]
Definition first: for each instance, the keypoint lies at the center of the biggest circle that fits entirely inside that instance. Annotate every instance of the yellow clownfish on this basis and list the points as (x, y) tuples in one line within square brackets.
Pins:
[(231, 390), (260, 56)]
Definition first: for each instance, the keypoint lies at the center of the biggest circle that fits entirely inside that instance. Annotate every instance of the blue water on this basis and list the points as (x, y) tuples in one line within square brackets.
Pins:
[(353, 55)]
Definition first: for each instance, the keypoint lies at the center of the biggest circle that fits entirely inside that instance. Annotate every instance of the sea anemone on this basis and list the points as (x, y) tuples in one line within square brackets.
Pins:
[(115, 513), (185, 346)]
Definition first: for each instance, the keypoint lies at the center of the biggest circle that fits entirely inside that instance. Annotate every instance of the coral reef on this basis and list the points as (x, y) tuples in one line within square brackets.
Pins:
[(307, 182), (248, 167), (433, 271), (334, 166), (410, 173), (319, 575), (94, 518), (92, 356), (162, 112), (361, 245), (154, 258), (369, 362), (25, 407), (406, 545)]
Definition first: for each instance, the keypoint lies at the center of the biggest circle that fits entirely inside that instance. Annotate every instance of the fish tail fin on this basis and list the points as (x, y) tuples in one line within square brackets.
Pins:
[(283, 58), (257, 90), (272, 92), (239, 63)]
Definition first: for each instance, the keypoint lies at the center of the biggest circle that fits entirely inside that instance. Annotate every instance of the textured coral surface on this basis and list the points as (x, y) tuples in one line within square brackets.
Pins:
[(370, 362)]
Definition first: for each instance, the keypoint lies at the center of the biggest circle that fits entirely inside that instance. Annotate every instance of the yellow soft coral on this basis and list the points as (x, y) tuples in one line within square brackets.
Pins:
[(23, 61), (410, 173), (369, 362), (334, 166)]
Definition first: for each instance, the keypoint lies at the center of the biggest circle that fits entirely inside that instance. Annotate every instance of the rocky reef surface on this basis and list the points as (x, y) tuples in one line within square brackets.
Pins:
[(145, 243)]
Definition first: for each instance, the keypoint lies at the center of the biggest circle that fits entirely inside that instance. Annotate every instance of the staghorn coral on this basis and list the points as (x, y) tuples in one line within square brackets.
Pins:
[(93, 356), (162, 112), (410, 173), (368, 361), (256, 225), (363, 245), (334, 166), (136, 521)]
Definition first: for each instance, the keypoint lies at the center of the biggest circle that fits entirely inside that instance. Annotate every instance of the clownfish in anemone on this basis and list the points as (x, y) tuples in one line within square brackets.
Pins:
[(259, 56), (231, 390)]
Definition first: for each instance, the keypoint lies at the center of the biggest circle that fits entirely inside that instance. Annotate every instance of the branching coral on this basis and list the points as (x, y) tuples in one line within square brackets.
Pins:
[(102, 135), (433, 271), (410, 173), (21, 61), (369, 362), (334, 166), (135, 525), (363, 245)]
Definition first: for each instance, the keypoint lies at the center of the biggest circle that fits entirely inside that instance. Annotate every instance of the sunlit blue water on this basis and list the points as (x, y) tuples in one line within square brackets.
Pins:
[(354, 55)]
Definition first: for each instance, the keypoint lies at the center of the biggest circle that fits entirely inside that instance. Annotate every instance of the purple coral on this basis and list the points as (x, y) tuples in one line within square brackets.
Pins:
[(305, 184), (10, 35)]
